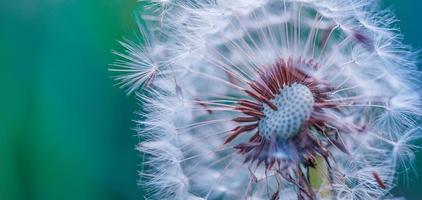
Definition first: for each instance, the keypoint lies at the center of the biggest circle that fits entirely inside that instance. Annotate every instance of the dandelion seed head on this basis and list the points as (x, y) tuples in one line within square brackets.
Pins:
[(258, 99)]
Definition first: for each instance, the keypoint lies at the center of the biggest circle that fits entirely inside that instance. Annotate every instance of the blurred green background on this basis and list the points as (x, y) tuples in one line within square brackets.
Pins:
[(65, 130)]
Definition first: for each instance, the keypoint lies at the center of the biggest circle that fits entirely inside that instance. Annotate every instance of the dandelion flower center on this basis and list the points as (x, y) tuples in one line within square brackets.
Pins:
[(295, 105)]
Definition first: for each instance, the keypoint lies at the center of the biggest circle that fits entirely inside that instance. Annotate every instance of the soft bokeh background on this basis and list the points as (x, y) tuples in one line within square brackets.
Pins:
[(64, 128)]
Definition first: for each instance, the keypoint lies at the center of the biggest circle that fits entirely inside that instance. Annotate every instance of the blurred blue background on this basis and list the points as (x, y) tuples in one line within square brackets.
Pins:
[(65, 130)]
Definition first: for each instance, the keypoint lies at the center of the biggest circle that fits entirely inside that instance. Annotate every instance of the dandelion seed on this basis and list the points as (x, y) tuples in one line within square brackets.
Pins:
[(272, 99)]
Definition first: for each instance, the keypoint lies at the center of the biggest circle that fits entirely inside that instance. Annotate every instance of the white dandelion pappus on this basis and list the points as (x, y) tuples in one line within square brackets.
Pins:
[(272, 99)]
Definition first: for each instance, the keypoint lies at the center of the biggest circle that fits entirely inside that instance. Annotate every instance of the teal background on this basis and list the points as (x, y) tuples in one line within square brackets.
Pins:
[(65, 130)]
